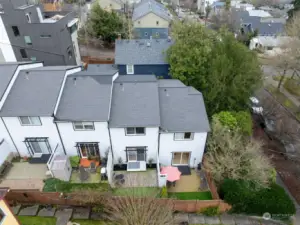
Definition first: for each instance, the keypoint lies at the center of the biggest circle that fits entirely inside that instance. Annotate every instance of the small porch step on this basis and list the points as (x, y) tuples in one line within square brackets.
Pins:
[(43, 159)]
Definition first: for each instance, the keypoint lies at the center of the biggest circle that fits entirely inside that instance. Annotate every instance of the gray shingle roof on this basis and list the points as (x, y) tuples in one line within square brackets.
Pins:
[(34, 93), (170, 83), (135, 103), (138, 52), (7, 72), (103, 68), (182, 109), (263, 26), (85, 98), (150, 6)]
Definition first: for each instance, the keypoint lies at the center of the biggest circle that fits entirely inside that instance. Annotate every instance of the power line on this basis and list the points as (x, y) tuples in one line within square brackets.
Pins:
[(31, 49)]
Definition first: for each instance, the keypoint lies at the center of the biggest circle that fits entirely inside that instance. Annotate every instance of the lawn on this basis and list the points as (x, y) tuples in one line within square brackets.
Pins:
[(56, 185), (206, 195), (34, 220), (137, 191)]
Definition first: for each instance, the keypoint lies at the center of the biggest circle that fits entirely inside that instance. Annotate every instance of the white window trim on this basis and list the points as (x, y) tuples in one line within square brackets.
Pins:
[(28, 18), (83, 126), (183, 139), (127, 70), (29, 118), (135, 134)]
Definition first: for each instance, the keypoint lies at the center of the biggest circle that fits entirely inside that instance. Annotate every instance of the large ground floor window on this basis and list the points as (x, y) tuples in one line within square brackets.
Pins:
[(38, 146), (134, 154), (88, 149), (181, 158)]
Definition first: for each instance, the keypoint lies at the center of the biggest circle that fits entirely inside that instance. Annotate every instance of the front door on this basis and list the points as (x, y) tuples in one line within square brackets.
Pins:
[(38, 148), (181, 158)]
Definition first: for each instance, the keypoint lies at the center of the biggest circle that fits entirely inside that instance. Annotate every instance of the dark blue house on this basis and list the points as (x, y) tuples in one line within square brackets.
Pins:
[(143, 56)]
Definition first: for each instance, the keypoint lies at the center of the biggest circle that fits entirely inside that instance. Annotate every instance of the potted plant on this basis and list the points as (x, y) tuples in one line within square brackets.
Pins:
[(74, 161), (150, 162), (120, 162)]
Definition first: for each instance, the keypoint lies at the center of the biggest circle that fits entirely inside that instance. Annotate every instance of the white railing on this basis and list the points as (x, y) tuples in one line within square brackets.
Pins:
[(161, 178), (110, 167), (58, 150)]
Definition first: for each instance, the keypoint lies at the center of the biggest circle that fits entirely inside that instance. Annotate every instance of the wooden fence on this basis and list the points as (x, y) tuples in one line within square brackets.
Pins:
[(56, 198), (91, 60)]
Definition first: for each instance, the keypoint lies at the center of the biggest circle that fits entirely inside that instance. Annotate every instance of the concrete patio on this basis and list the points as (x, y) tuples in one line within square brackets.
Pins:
[(25, 176), (189, 183), (139, 179)]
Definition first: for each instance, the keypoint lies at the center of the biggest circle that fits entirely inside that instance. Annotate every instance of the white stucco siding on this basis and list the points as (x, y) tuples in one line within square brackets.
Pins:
[(9, 146), (168, 146), (74, 37), (70, 136), (120, 141), (109, 5), (150, 21), (19, 132), (5, 45)]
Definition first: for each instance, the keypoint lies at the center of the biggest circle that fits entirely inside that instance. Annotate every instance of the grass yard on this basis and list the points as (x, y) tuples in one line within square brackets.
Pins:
[(35, 220), (280, 97), (56, 185), (206, 195), (137, 191)]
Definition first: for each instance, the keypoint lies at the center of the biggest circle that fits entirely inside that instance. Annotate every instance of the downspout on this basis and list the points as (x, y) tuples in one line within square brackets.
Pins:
[(11, 137), (111, 147), (62, 143)]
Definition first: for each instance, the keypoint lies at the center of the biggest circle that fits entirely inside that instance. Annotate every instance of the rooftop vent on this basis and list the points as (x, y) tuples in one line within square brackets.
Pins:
[(148, 44), (74, 80)]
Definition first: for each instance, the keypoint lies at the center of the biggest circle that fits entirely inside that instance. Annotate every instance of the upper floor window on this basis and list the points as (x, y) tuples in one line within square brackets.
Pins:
[(83, 126), (28, 18), (30, 120), (157, 22), (183, 136), (28, 40), (135, 131), (130, 69), (16, 31), (23, 53)]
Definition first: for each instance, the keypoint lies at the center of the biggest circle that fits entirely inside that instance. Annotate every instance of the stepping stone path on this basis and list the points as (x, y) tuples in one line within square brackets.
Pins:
[(63, 216), (16, 209), (29, 211), (81, 213), (47, 212), (97, 216)]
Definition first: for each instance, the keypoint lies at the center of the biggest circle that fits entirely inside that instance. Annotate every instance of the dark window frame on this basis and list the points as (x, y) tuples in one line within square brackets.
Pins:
[(135, 131), (23, 53), (16, 31), (28, 140), (139, 150), (95, 145)]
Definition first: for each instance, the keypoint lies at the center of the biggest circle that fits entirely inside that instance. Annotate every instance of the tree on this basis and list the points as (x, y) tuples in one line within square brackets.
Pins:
[(207, 11), (223, 19), (105, 25), (291, 12), (232, 156), (224, 70)]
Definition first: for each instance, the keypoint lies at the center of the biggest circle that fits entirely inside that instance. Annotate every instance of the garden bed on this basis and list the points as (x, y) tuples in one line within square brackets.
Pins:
[(35, 220), (137, 191), (56, 185), (205, 195)]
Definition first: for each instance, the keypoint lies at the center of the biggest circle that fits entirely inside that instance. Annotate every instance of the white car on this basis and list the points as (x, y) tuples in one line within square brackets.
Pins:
[(255, 106)]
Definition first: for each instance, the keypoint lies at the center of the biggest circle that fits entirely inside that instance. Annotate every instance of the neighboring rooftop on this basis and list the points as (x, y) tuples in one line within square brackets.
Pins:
[(150, 6), (85, 97), (141, 51), (135, 103), (182, 109), (259, 13), (106, 68), (34, 92), (7, 72)]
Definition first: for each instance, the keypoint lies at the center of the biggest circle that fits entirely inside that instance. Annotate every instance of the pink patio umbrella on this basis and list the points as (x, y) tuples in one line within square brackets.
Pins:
[(173, 173)]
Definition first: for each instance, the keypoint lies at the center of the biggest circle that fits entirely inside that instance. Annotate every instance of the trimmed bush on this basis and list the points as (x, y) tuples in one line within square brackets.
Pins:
[(226, 119), (164, 192), (211, 211), (74, 160), (246, 197)]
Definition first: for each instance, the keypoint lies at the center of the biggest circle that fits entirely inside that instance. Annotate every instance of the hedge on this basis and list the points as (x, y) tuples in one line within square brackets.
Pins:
[(246, 198)]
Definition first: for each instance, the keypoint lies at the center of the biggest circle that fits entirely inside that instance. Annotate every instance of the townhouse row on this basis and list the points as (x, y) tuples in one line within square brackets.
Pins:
[(138, 118)]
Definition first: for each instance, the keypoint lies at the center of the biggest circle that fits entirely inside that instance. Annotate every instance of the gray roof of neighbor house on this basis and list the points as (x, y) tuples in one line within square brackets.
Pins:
[(150, 6), (142, 51), (86, 97), (103, 68), (35, 92), (182, 109), (265, 26), (135, 102), (7, 71)]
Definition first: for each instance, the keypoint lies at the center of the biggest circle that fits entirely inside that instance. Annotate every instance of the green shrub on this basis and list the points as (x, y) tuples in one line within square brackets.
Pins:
[(74, 160), (244, 121), (273, 175), (164, 192), (246, 197), (211, 211), (292, 86), (226, 119)]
